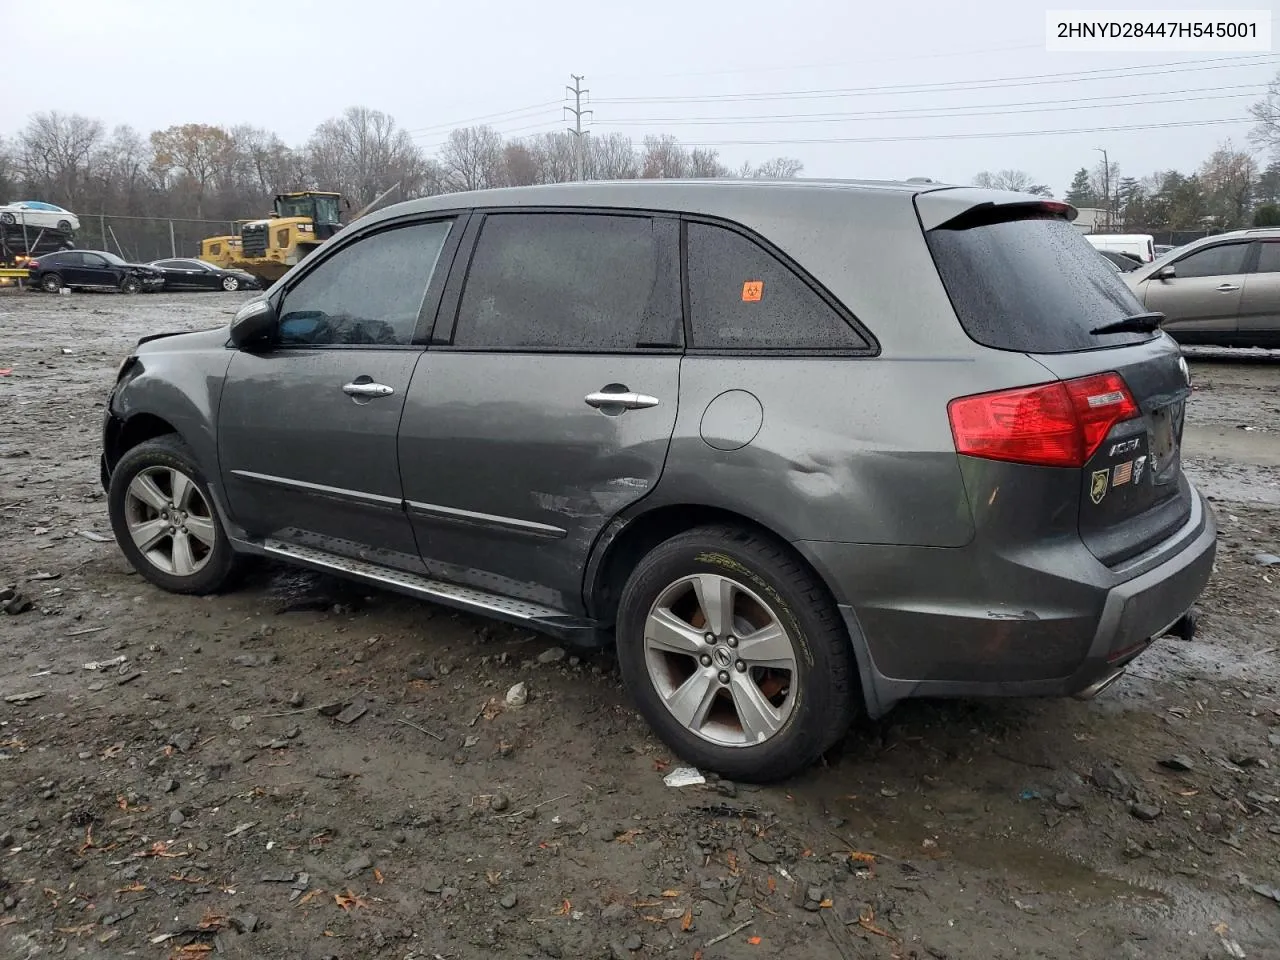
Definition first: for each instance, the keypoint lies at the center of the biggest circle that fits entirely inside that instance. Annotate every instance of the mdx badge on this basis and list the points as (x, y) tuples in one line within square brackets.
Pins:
[(1124, 446)]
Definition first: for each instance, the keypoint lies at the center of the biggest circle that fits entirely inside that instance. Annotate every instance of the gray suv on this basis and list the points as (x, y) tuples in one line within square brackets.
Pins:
[(798, 449)]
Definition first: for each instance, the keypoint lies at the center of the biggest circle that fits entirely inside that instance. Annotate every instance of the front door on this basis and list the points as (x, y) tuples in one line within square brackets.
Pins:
[(307, 425), (1203, 299), (1260, 300), (552, 406), (98, 272)]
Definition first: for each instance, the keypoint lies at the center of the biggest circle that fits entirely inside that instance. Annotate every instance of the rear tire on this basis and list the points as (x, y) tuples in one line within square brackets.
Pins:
[(164, 519), (51, 282), (775, 689), (130, 285), (64, 226), (8, 219)]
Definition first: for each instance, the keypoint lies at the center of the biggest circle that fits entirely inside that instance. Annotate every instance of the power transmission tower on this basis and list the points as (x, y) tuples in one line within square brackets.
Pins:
[(578, 113)]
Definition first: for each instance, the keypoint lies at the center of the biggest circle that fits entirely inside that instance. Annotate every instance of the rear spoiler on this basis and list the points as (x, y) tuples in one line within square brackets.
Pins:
[(940, 208)]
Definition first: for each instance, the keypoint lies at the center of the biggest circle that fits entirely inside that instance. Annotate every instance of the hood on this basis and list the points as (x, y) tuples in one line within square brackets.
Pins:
[(212, 338), (143, 268)]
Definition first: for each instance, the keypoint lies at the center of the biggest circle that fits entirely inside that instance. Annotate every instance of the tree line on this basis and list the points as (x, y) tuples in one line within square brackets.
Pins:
[(207, 172)]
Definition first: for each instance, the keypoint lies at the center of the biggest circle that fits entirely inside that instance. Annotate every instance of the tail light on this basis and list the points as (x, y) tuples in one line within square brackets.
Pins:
[(1052, 425)]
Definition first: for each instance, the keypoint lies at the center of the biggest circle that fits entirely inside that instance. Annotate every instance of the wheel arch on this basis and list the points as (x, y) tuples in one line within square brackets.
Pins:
[(628, 539), (123, 435)]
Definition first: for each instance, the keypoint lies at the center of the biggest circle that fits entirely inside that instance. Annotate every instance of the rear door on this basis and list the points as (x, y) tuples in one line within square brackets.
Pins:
[(549, 406), (70, 265), (1260, 299), (1202, 301), (1031, 284)]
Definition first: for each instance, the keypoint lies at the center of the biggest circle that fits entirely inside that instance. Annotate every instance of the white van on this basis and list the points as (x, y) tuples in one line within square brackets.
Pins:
[(1140, 245)]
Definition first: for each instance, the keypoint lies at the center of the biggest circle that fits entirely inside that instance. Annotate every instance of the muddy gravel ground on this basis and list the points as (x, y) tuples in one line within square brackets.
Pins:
[(174, 781)]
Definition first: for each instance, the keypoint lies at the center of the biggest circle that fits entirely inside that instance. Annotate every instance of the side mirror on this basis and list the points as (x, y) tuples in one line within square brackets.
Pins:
[(1165, 273), (256, 321)]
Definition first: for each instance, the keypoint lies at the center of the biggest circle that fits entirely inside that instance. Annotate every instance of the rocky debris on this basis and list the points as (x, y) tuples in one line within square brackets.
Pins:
[(813, 898), (6, 838), (183, 740), (16, 604), (353, 713), (1145, 811), (1065, 801), (509, 901), (1178, 762), (241, 723), (24, 697), (255, 659), (499, 802), (551, 655), (1266, 559), (296, 699), (356, 865), (177, 818), (1113, 780), (244, 922), (518, 695), (762, 853)]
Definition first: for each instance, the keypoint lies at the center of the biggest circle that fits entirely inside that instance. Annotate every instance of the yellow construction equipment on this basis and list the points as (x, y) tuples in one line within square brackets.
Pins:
[(268, 248)]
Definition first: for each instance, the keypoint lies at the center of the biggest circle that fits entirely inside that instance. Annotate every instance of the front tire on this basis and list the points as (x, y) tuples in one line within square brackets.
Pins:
[(130, 285), (163, 518), (735, 654), (64, 226), (230, 284), (8, 219), (51, 282)]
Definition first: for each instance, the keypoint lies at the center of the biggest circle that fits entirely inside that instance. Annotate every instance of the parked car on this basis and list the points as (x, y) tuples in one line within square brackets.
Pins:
[(92, 269), (1123, 262), (1140, 245), (1222, 290), (703, 421), (36, 213), (197, 275), (1162, 248)]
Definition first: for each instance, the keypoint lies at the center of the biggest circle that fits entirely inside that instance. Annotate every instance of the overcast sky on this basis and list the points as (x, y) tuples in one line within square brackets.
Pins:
[(433, 65)]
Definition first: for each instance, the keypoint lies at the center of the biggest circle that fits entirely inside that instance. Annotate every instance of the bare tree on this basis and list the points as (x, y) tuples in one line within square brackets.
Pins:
[(1266, 132), (706, 163), (362, 153), (56, 152), (521, 164), (1017, 180), (472, 159), (1227, 179), (779, 168), (557, 155), (191, 157), (612, 157), (663, 158)]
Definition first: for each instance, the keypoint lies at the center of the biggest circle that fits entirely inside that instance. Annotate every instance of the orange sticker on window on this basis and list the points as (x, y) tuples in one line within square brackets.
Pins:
[(752, 290)]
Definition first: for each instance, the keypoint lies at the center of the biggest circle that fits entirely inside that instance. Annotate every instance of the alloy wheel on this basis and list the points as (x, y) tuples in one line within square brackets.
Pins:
[(170, 521), (720, 660)]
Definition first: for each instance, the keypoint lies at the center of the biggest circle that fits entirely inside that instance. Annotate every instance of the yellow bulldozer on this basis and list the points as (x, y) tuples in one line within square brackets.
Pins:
[(269, 247)]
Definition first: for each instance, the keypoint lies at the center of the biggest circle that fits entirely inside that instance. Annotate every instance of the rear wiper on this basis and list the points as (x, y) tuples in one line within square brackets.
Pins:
[(1138, 323)]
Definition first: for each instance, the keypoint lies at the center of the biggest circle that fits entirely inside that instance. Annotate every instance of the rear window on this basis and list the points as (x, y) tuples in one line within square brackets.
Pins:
[(1033, 285)]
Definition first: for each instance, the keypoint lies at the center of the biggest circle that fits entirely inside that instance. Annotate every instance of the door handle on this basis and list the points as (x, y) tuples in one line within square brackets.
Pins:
[(367, 390), (1228, 287), (628, 401)]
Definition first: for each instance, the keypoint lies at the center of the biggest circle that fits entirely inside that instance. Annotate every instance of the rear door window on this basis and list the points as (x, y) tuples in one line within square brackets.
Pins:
[(1221, 260), (1269, 257), (1031, 284), (742, 297), (572, 282)]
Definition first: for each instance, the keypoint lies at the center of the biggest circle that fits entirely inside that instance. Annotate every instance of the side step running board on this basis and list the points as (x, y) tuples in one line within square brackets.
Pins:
[(523, 612)]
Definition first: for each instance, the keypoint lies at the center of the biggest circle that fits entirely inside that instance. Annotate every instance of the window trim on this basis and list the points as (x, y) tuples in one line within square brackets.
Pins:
[(451, 304), (872, 349), (431, 297)]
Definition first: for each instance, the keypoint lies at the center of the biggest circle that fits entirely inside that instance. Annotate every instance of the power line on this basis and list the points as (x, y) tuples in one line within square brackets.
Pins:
[(1112, 73), (488, 116), (966, 136), (829, 63), (942, 113)]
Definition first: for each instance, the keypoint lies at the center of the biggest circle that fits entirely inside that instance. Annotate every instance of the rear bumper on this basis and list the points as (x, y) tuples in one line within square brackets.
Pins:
[(1056, 622)]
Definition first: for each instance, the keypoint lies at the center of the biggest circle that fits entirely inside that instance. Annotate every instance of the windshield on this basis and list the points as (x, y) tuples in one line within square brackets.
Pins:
[(325, 208), (1033, 285), (111, 258)]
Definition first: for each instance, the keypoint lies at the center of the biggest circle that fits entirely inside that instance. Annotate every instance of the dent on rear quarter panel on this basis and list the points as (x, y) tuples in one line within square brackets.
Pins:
[(182, 385)]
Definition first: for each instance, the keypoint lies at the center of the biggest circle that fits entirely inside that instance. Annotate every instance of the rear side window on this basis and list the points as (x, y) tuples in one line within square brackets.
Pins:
[(572, 282), (1033, 285), (1269, 257), (742, 297), (1217, 261)]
